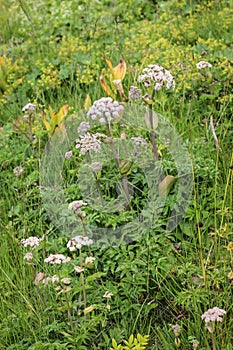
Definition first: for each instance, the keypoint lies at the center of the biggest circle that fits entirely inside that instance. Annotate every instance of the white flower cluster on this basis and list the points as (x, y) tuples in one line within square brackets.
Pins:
[(158, 76), (68, 154), (31, 242), (213, 315), (89, 260), (108, 295), (135, 93), (30, 107), (83, 127), (105, 110), (139, 141), (78, 242), (176, 330), (28, 256), (76, 205), (203, 64), (52, 279), (18, 171), (78, 269), (89, 142), (56, 259)]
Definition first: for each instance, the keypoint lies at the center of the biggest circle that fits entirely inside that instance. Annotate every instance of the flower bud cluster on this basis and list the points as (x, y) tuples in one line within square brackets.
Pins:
[(83, 127), (105, 110), (135, 93)]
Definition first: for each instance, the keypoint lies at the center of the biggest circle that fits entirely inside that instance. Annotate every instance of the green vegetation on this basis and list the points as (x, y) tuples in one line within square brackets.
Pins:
[(151, 292)]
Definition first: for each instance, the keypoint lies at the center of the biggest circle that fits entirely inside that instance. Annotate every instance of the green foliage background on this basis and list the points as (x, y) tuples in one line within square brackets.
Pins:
[(52, 54)]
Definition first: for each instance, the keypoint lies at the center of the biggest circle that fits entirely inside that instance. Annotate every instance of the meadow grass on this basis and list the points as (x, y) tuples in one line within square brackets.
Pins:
[(52, 54)]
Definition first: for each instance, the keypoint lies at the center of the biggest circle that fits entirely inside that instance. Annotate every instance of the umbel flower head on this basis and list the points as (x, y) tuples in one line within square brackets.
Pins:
[(83, 127), (56, 259), (156, 76), (203, 64), (176, 330), (29, 107), (78, 242), (18, 170), (211, 316), (89, 142), (105, 110), (76, 205), (32, 242), (135, 93)]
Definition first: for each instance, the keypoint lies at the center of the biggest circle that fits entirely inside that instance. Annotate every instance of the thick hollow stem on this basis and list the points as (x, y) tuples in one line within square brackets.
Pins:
[(124, 179), (97, 181), (83, 283), (213, 341), (69, 314)]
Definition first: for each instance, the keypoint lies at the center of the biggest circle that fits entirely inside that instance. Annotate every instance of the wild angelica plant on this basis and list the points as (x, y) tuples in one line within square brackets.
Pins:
[(211, 317), (154, 78)]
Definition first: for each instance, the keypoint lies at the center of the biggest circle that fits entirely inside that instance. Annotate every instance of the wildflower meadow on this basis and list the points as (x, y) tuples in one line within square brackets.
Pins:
[(116, 175)]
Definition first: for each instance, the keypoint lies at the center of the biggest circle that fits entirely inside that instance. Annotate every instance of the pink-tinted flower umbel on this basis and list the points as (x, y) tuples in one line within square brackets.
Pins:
[(156, 76), (56, 259), (89, 142), (32, 242), (211, 316)]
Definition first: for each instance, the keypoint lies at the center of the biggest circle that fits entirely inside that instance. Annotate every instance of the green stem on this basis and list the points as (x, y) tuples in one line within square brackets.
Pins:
[(69, 314), (213, 341), (83, 283), (68, 305), (124, 179), (97, 181)]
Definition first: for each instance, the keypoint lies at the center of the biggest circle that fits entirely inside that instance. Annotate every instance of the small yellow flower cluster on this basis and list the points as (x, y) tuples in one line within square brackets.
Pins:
[(48, 78)]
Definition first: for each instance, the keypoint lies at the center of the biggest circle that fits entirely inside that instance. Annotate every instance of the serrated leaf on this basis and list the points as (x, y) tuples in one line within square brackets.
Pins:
[(151, 123), (166, 185), (94, 276)]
